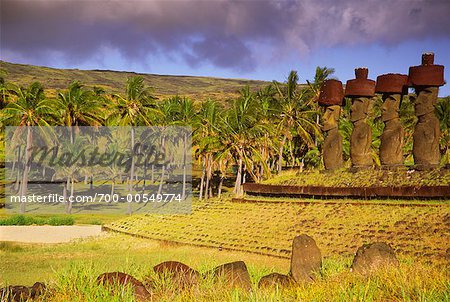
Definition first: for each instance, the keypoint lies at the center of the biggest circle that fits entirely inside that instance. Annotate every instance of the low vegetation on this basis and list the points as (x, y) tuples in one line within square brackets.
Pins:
[(268, 228), (367, 178), (72, 277), (31, 220)]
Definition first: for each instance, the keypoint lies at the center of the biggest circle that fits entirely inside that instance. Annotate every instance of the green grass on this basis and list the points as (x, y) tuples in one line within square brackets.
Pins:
[(198, 88), (268, 228), (60, 219), (366, 178), (70, 271), (346, 201), (30, 220)]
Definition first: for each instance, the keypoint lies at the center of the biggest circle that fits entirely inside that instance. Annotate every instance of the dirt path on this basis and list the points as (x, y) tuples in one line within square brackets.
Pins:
[(47, 234)]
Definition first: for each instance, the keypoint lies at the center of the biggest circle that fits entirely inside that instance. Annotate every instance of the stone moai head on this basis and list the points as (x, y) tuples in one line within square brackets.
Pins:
[(360, 90), (331, 97), (426, 79), (393, 87), (331, 117)]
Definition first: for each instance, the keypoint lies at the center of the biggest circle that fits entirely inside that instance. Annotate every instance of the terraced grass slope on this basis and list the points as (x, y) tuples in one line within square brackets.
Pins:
[(269, 228), (365, 178), (198, 88)]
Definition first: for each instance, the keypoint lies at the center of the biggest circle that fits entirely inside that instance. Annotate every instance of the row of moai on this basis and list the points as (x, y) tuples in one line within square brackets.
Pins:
[(425, 79)]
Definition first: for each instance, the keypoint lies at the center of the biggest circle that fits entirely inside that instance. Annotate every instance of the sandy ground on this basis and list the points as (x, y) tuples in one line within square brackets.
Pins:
[(47, 234)]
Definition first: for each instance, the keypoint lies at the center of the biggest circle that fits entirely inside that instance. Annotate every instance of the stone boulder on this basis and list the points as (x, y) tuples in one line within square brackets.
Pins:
[(37, 289), (15, 293), (306, 259), (235, 274), (276, 280), (181, 275), (21, 293), (371, 257), (118, 278)]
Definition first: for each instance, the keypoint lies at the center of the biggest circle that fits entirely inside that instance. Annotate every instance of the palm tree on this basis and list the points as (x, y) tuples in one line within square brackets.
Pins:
[(137, 108), (28, 108), (242, 129), (77, 107), (295, 117), (312, 91), (185, 112), (443, 114), (209, 147)]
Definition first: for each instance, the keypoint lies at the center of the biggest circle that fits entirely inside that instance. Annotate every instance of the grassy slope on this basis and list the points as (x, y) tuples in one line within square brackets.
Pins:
[(269, 228), (366, 178), (199, 88)]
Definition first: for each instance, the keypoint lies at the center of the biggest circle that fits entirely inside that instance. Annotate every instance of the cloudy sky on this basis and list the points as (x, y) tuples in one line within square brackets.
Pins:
[(254, 39)]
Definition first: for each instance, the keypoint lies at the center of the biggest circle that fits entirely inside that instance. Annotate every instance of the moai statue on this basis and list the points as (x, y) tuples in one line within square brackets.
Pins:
[(426, 80), (331, 96), (360, 90), (393, 87)]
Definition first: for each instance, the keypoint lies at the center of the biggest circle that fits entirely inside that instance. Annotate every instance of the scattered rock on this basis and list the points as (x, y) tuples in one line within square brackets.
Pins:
[(370, 257), (235, 274), (37, 289), (276, 280), (21, 293), (118, 278), (306, 259), (15, 293), (180, 274)]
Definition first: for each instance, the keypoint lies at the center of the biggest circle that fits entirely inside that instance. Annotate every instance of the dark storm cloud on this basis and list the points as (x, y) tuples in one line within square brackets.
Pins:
[(230, 34)]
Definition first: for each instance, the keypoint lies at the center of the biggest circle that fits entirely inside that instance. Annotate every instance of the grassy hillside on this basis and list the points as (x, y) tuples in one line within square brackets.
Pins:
[(268, 228), (198, 88)]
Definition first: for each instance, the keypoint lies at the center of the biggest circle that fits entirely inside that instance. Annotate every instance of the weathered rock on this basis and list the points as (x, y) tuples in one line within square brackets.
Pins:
[(332, 146), (371, 257), (361, 137), (21, 293), (391, 147), (306, 259), (276, 280), (15, 293), (235, 274), (118, 278), (426, 79), (360, 90), (426, 132), (180, 274), (37, 289)]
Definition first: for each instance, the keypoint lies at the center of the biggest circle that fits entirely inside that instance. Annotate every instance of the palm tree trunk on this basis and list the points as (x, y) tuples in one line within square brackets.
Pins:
[(291, 151), (152, 179), (219, 190), (69, 205), (237, 185), (183, 194), (26, 168), (202, 180), (65, 191), (163, 168), (208, 177), (112, 186), (66, 186), (129, 210), (280, 155)]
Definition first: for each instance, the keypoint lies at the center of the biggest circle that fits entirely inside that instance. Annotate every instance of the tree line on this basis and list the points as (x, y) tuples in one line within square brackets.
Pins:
[(252, 136)]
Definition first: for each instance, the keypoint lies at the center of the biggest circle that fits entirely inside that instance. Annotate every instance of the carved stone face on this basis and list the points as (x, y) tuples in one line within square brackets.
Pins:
[(390, 107), (425, 100), (331, 117), (359, 109)]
